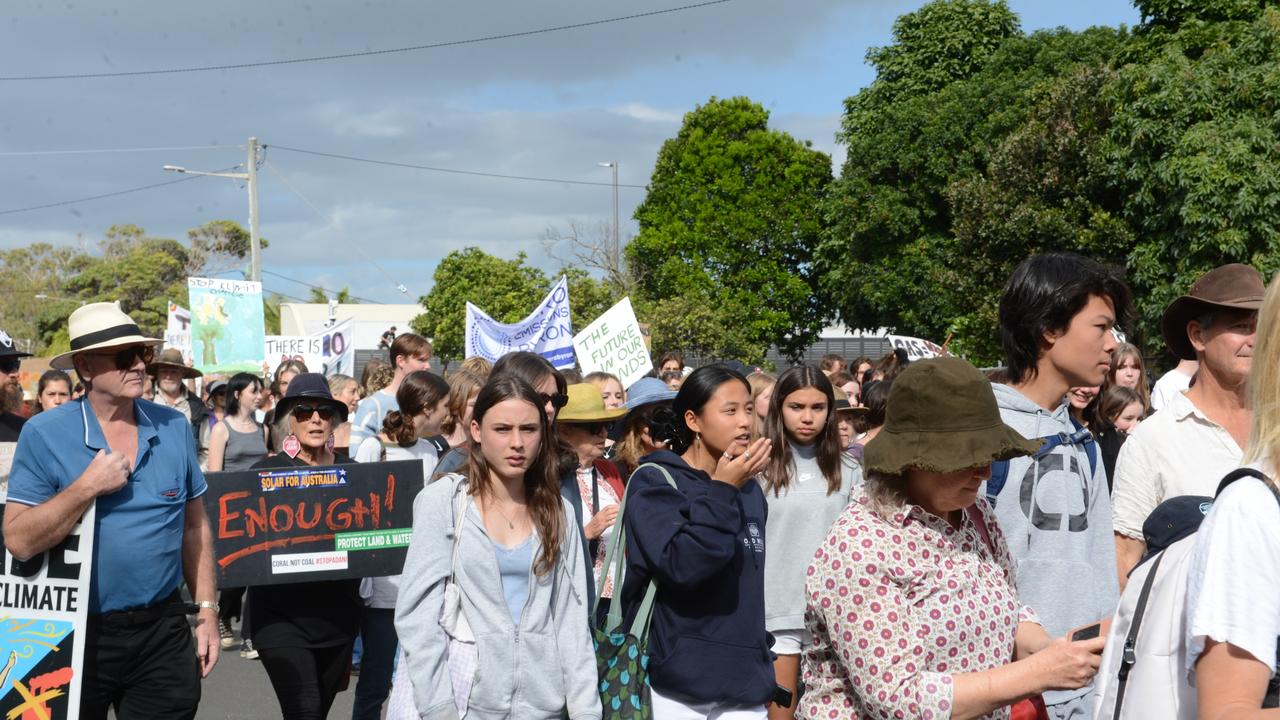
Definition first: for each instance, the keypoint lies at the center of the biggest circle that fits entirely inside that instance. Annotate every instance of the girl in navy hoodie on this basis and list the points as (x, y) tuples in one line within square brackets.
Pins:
[(703, 542)]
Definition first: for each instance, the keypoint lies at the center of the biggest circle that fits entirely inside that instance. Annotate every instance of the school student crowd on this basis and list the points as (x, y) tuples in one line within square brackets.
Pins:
[(885, 539)]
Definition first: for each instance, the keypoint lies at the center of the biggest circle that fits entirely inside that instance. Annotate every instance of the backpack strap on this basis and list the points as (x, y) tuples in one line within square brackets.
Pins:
[(1129, 656), (615, 560), (1081, 436), (1272, 697)]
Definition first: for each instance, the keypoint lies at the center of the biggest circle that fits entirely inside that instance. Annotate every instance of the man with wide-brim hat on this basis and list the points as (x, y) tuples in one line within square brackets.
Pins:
[(10, 391), (170, 371), (591, 484), (140, 657), (1186, 447)]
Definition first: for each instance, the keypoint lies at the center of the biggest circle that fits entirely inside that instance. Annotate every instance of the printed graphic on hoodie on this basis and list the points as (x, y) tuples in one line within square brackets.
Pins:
[(1058, 511)]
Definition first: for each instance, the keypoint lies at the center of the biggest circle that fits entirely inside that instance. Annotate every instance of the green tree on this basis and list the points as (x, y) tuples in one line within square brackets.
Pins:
[(507, 290), (34, 281), (731, 220), (891, 257), (216, 246), (318, 295)]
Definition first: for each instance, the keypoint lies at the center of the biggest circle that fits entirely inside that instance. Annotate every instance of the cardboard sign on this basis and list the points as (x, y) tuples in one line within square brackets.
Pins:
[(547, 331), (916, 348), (44, 605), (297, 524), (307, 348), (227, 326), (177, 334), (614, 343)]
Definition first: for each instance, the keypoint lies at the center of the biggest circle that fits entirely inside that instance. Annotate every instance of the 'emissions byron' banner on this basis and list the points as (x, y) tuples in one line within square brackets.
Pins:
[(548, 331), (288, 525), (44, 604)]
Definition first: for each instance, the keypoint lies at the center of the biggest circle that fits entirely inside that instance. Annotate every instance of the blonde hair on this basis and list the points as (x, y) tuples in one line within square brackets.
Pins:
[(759, 382), (1264, 381)]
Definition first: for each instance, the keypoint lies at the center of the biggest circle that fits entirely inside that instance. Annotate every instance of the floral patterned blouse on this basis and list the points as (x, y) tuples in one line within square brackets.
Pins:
[(896, 607)]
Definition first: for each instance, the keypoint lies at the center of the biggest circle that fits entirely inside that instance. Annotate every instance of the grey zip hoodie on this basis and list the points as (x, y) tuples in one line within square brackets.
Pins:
[(536, 670), (1056, 517)]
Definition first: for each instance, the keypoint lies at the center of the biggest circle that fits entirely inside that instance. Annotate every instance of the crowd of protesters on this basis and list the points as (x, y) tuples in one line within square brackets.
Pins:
[(861, 538)]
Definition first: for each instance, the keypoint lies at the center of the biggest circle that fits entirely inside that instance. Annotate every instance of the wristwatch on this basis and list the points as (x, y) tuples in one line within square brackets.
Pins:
[(208, 605)]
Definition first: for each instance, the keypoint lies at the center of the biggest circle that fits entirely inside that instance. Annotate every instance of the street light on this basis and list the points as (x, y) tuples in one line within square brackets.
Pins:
[(617, 244), (251, 181)]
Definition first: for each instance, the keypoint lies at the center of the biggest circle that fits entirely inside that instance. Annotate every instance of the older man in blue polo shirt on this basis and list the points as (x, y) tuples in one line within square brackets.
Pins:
[(137, 461)]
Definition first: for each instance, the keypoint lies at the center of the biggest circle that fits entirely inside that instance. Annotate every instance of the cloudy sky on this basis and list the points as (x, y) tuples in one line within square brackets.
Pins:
[(549, 105)]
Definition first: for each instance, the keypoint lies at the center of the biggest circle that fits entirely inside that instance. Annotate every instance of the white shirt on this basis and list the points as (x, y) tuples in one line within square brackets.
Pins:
[(380, 592), (1233, 583), (1170, 384), (1177, 451)]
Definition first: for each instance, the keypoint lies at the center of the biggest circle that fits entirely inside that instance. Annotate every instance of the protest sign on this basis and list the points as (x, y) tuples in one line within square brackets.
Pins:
[(44, 604), (289, 525), (7, 451), (916, 348), (309, 349), (614, 343), (548, 331), (227, 328), (177, 334), (338, 349)]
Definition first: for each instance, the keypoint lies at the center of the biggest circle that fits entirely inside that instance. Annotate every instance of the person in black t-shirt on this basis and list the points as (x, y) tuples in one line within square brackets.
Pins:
[(10, 422)]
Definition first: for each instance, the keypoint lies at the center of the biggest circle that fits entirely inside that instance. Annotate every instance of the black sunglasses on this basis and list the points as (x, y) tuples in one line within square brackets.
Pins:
[(557, 401), (302, 413), (125, 358), (594, 428), (10, 364)]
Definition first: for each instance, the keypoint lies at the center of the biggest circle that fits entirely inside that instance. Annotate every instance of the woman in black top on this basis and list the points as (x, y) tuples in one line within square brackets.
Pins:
[(303, 632)]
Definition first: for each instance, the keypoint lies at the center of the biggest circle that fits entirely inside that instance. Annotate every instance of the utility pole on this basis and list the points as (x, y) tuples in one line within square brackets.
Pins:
[(250, 177), (255, 246), (617, 240)]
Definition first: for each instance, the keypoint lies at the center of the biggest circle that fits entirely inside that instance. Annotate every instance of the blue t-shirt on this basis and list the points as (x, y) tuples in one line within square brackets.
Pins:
[(513, 568), (369, 416), (137, 542)]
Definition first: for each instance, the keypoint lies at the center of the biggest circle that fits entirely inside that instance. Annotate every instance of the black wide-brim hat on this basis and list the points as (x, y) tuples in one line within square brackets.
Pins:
[(1233, 287), (942, 416), (310, 388)]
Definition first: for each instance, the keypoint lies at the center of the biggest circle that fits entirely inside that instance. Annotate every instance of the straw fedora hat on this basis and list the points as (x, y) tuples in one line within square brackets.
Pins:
[(942, 416), (1235, 287), (171, 358), (586, 405), (97, 326)]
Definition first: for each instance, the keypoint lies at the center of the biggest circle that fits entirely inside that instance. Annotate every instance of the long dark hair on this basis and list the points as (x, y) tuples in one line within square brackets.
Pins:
[(777, 475), (541, 480), (419, 391), (52, 376), (235, 386), (695, 393)]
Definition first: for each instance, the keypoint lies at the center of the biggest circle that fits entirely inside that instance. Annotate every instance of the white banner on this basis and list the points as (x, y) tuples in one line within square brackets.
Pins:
[(613, 343), (916, 348), (338, 348), (548, 331), (307, 348), (177, 334)]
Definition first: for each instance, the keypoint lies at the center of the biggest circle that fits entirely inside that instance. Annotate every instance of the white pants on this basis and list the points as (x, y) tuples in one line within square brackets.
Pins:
[(670, 709)]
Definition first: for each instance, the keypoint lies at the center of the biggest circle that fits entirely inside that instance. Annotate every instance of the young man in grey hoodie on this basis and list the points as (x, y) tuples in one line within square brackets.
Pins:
[(1056, 319)]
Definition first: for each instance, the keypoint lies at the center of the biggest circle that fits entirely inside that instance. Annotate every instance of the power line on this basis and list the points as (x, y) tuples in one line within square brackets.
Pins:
[(365, 53), (358, 246), (317, 287), (98, 151), (391, 163), (104, 195)]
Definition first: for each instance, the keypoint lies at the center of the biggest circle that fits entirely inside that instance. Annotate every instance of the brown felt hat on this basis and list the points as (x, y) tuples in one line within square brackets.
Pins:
[(942, 416), (1235, 286), (171, 358)]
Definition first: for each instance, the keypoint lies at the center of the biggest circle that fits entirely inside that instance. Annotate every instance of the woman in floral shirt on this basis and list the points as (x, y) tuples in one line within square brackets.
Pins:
[(911, 599)]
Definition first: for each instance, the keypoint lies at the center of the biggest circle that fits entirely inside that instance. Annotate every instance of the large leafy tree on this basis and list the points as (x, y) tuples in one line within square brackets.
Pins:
[(729, 224), (507, 290)]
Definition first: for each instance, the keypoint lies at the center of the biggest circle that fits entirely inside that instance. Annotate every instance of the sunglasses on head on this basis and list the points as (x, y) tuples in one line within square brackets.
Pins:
[(302, 413), (557, 400), (126, 357)]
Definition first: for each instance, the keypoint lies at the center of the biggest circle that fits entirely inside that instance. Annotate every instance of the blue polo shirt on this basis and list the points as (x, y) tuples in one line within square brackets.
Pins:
[(137, 540)]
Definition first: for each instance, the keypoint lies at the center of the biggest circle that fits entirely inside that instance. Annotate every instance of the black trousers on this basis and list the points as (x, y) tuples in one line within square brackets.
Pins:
[(306, 680), (142, 668)]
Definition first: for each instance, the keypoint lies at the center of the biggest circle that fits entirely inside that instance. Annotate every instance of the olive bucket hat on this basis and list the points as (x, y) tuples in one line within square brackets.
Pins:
[(942, 416)]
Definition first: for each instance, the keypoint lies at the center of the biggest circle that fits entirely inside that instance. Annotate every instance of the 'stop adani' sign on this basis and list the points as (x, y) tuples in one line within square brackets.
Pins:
[(288, 525)]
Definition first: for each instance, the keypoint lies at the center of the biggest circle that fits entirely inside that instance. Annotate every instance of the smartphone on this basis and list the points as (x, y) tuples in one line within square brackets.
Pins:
[(1088, 633), (782, 697)]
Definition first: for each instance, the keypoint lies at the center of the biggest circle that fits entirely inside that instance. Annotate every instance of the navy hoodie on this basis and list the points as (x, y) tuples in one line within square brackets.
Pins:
[(704, 544)]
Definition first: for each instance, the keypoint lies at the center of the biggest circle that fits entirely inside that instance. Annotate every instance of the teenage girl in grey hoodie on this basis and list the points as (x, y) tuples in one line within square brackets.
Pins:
[(523, 596)]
